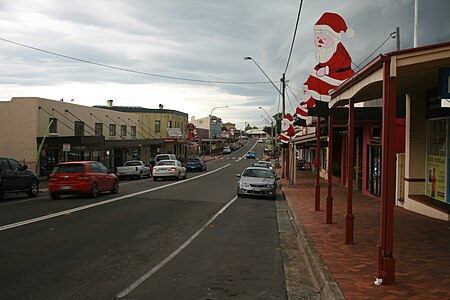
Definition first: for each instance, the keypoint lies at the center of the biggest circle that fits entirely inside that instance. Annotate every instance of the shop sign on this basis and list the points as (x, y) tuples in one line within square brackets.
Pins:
[(174, 132)]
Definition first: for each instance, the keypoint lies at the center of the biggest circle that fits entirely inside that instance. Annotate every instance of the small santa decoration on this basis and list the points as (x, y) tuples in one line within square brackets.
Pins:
[(287, 129)]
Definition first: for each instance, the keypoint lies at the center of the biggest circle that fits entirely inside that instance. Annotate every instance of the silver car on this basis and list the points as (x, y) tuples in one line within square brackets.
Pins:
[(257, 181), (169, 169)]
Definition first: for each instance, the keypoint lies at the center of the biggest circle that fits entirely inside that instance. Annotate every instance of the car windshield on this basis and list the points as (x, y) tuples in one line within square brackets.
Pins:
[(166, 163), (194, 160), (69, 168), (133, 163), (260, 173)]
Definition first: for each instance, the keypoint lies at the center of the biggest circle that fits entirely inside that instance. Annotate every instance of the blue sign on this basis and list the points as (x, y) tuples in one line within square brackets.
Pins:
[(444, 83)]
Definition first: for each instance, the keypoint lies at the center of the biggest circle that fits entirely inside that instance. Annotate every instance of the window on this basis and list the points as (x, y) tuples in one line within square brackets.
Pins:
[(53, 125), (169, 124), (123, 130), (98, 129), (79, 128), (112, 129), (133, 131), (157, 126), (14, 165)]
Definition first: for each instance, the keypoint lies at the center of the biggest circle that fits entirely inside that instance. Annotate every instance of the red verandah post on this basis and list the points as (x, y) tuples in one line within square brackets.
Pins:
[(317, 166), (329, 212), (349, 218), (385, 258)]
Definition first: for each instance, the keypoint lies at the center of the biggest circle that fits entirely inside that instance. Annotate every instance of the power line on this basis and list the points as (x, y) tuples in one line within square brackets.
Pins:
[(295, 33), (391, 36), (129, 70)]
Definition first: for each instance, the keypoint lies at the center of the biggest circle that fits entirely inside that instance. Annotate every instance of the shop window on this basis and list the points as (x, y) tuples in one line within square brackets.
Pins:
[(437, 159)]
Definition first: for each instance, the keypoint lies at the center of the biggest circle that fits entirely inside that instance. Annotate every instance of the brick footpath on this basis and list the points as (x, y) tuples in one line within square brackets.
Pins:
[(421, 245)]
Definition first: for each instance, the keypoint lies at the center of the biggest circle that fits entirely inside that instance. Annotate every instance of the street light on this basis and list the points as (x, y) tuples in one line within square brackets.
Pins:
[(282, 93), (210, 131), (274, 136), (250, 58)]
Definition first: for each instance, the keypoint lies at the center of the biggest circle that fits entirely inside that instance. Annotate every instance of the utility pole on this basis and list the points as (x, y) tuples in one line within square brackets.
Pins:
[(397, 37)]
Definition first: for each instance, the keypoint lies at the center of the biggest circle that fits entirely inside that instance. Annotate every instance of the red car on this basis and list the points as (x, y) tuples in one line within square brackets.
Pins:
[(81, 177)]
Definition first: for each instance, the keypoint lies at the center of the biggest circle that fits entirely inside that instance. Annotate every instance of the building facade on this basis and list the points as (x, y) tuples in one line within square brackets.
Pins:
[(164, 125)]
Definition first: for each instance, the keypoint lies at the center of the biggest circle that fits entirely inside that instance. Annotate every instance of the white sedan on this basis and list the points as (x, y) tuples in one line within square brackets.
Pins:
[(169, 169)]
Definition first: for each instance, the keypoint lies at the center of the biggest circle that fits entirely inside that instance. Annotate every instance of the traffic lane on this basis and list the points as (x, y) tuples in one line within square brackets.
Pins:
[(82, 230), (237, 256), (91, 254), (24, 209), (17, 211)]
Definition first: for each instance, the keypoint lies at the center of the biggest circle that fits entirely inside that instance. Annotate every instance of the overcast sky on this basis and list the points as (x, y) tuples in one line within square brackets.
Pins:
[(203, 42)]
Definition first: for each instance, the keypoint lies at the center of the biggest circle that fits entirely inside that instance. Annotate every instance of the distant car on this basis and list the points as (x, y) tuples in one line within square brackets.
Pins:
[(169, 169), (195, 164), (303, 165), (134, 168), (81, 177), (264, 163), (16, 178), (260, 141), (257, 181), (251, 154), (226, 150)]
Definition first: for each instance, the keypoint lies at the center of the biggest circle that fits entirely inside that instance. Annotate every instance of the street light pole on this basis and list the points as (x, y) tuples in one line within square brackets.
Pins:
[(210, 127), (282, 93), (274, 144)]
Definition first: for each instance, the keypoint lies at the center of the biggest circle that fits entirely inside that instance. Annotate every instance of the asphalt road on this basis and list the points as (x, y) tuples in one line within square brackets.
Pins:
[(187, 239)]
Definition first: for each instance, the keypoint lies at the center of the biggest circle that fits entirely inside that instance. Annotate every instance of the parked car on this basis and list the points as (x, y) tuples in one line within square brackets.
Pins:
[(265, 164), (169, 169), (226, 150), (195, 164), (16, 178), (166, 156), (303, 165), (257, 181), (251, 154), (81, 177), (134, 168)]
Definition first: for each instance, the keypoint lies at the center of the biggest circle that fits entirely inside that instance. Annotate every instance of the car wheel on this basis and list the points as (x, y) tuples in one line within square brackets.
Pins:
[(34, 189), (54, 196), (94, 190), (115, 188)]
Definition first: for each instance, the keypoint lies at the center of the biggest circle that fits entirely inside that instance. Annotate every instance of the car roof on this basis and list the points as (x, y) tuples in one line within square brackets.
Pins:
[(77, 162)]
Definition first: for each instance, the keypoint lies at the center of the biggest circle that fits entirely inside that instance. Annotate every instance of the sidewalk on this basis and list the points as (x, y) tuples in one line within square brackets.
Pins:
[(421, 246)]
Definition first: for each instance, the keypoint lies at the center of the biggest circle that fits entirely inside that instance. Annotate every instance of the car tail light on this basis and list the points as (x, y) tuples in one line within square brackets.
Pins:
[(173, 169), (154, 170)]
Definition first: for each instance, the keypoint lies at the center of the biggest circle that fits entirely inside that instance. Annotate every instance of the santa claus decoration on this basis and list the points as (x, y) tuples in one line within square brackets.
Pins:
[(333, 68), (287, 129)]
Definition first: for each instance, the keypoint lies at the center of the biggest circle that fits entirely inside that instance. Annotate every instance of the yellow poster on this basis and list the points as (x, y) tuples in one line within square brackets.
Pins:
[(436, 177)]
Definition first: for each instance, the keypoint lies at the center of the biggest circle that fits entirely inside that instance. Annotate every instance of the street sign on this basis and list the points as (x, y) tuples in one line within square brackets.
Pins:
[(66, 147)]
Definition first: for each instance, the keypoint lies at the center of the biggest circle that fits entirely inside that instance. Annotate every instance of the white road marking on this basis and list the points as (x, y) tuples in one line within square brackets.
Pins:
[(173, 254), (80, 208), (24, 200)]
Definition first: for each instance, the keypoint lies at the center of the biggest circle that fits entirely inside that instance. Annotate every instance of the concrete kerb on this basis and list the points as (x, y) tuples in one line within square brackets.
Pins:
[(323, 279)]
